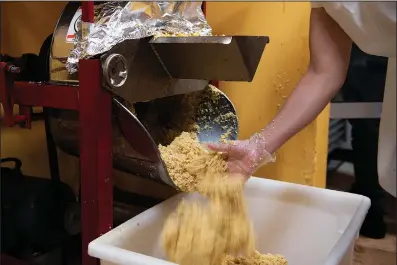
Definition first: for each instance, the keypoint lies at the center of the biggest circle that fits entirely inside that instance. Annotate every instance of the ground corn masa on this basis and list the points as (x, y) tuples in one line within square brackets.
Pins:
[(213, 231)]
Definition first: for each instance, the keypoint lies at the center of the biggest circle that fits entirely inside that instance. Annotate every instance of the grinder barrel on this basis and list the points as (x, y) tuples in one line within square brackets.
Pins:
[(148, 70)]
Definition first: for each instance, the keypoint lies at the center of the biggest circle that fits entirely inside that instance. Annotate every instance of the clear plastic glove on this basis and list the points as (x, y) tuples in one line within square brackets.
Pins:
[(245, 156)]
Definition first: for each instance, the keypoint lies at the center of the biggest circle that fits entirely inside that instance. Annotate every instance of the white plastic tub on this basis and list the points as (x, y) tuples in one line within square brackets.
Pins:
[(309, 226)]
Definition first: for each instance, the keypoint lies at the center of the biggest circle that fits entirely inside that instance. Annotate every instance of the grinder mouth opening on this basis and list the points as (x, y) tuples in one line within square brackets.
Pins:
[(208, 112)]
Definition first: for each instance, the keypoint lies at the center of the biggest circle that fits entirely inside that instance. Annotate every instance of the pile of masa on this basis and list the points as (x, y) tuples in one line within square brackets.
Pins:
[(216, 230)]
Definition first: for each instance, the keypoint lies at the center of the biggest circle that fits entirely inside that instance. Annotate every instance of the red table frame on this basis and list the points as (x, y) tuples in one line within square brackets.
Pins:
[(95, 107)]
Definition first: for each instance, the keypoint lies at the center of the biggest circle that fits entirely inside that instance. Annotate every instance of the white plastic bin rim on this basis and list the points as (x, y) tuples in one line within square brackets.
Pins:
[(103, 247)]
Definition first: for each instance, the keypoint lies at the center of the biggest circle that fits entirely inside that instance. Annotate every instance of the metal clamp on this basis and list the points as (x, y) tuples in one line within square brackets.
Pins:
[(115, 70)]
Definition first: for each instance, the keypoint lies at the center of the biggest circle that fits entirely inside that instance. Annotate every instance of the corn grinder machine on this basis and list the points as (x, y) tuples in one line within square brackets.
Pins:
[(152, 72)]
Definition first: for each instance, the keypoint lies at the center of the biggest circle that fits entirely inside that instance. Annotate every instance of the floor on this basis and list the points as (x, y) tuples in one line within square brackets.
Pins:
[(375, 252), (369, 251)]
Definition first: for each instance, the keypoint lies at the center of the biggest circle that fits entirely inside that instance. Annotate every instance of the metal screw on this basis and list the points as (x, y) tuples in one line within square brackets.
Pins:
[(115, 70)]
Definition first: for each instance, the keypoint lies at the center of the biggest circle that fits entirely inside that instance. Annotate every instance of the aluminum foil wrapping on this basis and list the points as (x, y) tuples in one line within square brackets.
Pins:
[(116, 21)]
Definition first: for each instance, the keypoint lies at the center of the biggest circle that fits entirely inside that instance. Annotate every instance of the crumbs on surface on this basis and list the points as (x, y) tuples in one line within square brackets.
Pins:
[(256, 259)]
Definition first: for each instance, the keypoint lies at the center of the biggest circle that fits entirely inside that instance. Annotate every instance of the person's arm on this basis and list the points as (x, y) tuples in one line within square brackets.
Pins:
[(329, 61)]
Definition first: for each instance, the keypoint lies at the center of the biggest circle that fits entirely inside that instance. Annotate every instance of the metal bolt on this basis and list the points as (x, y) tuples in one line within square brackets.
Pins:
[(115, 70)]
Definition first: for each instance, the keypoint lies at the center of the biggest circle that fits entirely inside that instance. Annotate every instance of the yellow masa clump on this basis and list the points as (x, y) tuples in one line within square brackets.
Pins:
[(178, 156), (255, 259), (215, 230)]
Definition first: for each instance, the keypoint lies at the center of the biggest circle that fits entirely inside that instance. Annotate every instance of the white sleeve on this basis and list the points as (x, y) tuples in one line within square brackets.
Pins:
[(371, 25)]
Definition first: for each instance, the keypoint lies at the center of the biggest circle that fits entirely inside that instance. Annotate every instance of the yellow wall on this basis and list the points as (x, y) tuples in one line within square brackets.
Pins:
[(302, 160), (27, 24)]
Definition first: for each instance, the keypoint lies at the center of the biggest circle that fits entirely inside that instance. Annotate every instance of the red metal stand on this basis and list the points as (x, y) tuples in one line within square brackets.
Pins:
[(94, 105)]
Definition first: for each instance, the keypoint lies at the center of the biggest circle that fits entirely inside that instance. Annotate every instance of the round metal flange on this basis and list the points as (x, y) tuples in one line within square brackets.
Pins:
[(115, 70)]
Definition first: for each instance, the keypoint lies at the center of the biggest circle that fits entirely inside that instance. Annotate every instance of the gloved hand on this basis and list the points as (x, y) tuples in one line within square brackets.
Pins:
[(245, 156)]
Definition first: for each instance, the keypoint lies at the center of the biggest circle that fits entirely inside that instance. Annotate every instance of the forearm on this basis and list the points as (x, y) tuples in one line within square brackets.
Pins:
[(329, 60), (310, 97)]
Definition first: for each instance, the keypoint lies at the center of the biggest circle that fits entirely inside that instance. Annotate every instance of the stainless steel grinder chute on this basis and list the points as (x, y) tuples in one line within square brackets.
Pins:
[(154, 72)]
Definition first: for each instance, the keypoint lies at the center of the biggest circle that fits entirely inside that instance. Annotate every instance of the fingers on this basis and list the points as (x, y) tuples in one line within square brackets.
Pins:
[(216, 147)]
